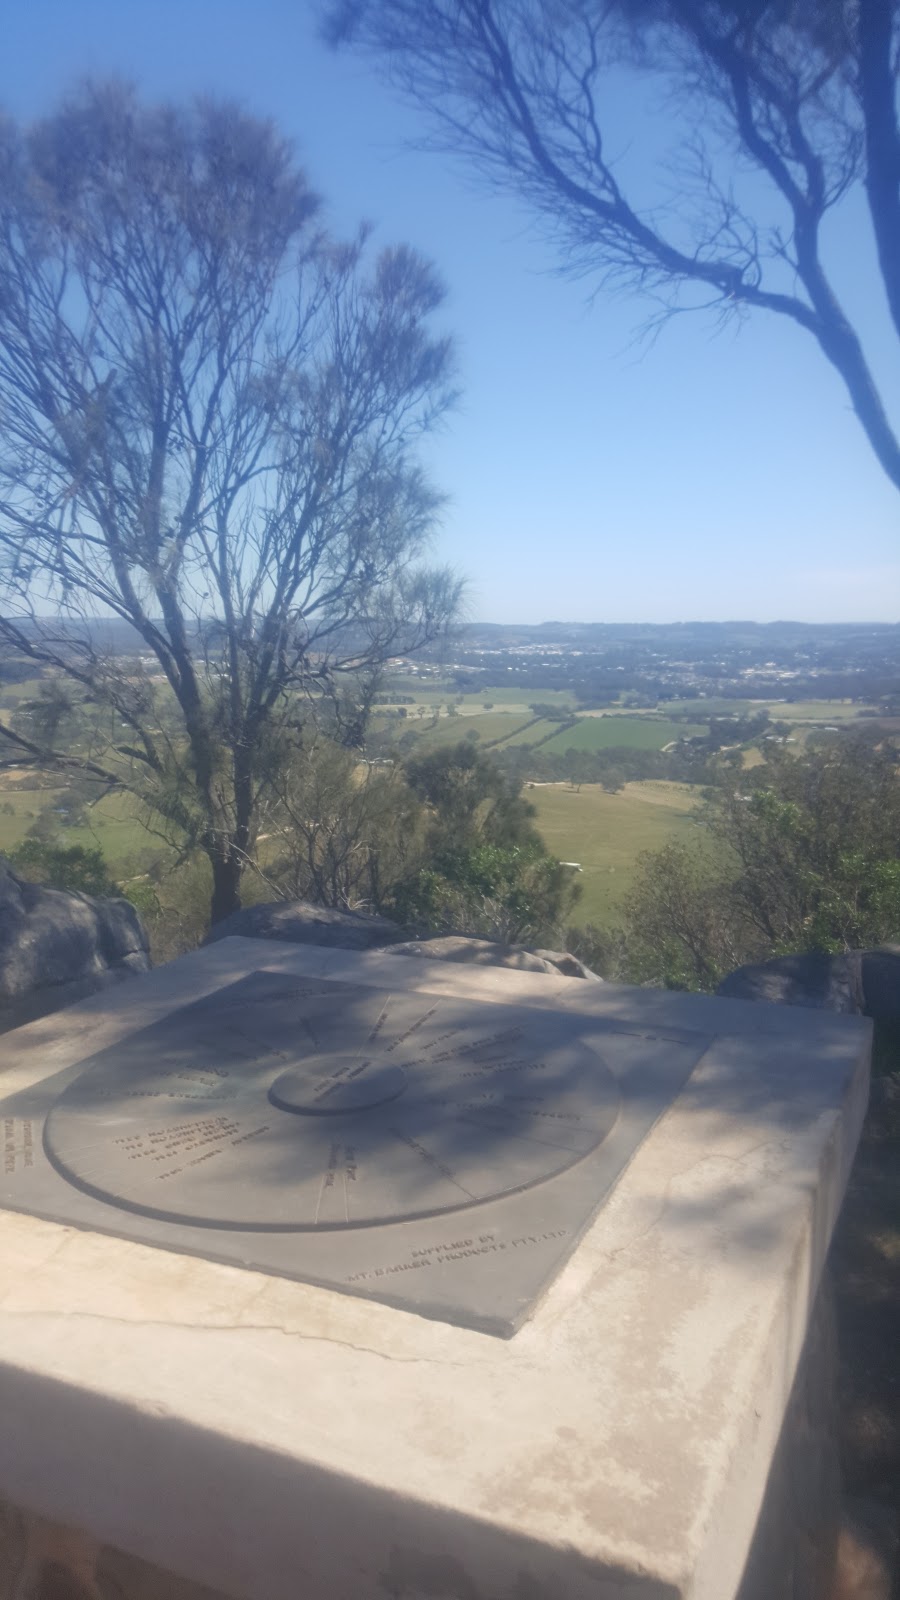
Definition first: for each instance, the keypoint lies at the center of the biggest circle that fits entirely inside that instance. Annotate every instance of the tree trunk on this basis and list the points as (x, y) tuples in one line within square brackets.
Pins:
[(226, 895)]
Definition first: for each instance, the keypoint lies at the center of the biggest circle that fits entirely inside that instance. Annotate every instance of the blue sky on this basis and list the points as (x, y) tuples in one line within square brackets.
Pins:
[(710, 476)]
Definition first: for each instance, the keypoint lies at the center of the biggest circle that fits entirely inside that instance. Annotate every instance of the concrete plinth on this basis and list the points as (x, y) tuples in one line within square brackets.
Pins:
[(265, 1439)]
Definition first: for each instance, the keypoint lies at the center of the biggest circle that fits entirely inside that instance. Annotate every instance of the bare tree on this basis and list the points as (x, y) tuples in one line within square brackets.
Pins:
[(802, 94), (209, 413)]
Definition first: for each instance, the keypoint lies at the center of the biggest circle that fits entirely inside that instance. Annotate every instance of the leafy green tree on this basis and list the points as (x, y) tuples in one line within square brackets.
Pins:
[(45, 827), (613, 779), (683, 930), (488, 871), (211, 414), (469, 796), (517, 893), (803, 853), (172, 899), (600, 948), (74, 867), (817, 844)]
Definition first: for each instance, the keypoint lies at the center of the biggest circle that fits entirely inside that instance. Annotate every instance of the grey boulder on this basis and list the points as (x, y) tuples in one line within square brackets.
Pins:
[(486, 953), (299, 923), (881, 983), (57, 947), (824, 983), (862, 981)]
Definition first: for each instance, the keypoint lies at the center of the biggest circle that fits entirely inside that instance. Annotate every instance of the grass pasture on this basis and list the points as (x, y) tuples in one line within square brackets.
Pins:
[(25, 805), (520, 733), (825, 711), (11, 694), (779, 710), (499, 697), (635, 733), (607, 832), (487, 725), (113, 825)]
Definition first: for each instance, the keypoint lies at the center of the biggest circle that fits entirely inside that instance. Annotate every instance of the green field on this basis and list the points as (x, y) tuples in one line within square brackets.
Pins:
[(450, 730), (12, 693), (779, 710), (606, 833), (527, 735), (25, 803), (815, 711), (517, 727), (499, 698), (114, 826), (637, 733)]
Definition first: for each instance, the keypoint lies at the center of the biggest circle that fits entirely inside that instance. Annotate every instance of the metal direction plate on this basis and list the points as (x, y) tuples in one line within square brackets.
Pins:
[(437, 1154)]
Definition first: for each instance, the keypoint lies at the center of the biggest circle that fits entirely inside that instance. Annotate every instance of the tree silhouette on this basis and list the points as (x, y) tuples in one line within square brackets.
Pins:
[(209, 414), (800, 93)]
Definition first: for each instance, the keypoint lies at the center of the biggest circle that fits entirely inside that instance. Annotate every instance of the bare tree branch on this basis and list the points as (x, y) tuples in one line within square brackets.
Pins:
[(804, 95)]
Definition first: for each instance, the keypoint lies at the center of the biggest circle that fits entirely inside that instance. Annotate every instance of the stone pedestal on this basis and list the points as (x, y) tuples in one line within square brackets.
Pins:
[(649, 1429)]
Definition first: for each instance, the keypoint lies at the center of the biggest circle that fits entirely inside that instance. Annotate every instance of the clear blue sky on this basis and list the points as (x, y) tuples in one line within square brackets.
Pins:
[(711, 476)]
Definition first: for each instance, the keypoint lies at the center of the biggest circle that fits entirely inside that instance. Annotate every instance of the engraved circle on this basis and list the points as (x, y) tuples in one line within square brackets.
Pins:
[(345, 1084), (185, 1123)]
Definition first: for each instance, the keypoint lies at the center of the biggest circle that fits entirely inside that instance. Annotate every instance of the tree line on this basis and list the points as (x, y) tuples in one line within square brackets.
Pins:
[(443, 843), (801, 853)]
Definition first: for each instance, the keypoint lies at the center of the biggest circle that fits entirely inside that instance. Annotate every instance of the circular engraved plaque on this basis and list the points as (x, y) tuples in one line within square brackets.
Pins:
[(293, 1115), (334, 1084)]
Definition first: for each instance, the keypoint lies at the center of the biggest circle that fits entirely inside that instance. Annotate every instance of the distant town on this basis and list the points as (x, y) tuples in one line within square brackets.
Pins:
[(652, 663)]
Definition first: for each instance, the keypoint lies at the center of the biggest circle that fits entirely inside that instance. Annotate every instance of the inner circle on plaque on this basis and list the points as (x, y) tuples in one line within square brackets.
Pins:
[(331, 1084)]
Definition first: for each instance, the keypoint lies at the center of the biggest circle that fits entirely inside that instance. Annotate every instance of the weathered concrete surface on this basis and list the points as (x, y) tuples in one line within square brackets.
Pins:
[(794, 1551), (269, 1439), (57, 947), (805, 1547)]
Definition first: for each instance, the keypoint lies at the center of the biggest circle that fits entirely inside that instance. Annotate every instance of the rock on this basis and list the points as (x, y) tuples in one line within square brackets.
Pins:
[(568, 965), (866, 981), (826, 983), (299, 923), (57, 947), (866, 1552), (486, 953), (881, 983)]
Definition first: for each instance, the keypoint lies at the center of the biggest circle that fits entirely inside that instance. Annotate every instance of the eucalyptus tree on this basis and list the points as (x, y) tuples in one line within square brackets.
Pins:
[(210, 414), (773, 112)]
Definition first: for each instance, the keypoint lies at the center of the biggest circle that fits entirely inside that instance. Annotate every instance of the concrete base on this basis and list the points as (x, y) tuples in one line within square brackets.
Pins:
[(265, 1439), (794, 1554), (794, 1550)]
